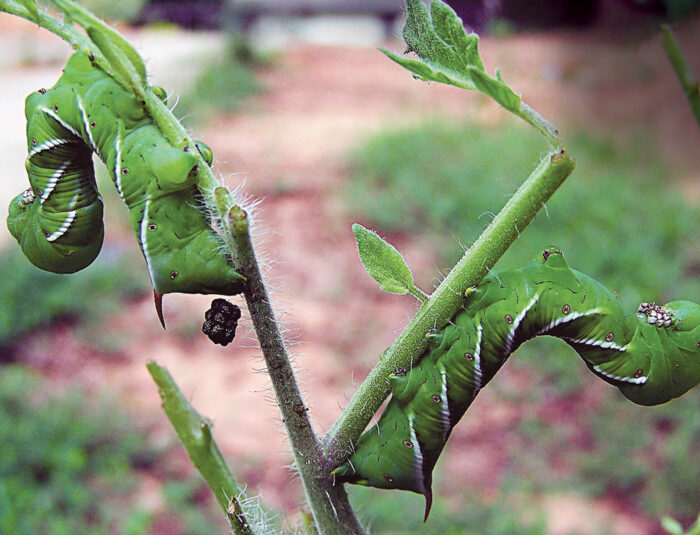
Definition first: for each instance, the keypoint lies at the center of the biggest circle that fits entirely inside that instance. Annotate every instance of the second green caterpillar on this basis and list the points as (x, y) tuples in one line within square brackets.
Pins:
[(652, 357), (58, 221)]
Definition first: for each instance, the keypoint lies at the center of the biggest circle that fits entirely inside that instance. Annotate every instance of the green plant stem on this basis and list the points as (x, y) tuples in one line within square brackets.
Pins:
[(444, 302), (329, 504), (542, 125), (194, 432), (65, 31), (690, 85)]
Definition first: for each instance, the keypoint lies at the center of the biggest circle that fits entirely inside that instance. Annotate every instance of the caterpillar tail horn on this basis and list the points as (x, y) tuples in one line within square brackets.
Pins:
[(428, 504), (158, 300)]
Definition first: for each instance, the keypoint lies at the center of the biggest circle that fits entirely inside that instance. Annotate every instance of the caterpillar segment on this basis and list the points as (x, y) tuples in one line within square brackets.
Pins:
[(652, 356)]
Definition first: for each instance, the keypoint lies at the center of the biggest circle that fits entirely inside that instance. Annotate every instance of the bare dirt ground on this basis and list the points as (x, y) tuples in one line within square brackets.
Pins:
[(290, 146)]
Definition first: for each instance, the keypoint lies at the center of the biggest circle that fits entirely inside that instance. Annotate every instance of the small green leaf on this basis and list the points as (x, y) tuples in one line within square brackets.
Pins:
[(672, 526), (383, 262)]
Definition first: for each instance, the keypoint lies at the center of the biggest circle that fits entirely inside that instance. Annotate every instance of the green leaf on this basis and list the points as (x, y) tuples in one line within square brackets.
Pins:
[(496, 89), (447, 53), (383, 262), (426, 73), (671, 526)]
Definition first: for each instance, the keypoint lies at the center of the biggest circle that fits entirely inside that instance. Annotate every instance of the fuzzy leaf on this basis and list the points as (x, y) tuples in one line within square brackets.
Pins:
[(447, 53), (383, 262), (496, 89)]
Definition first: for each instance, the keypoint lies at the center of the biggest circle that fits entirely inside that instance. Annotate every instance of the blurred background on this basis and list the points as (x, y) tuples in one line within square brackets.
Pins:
[(300, 107)]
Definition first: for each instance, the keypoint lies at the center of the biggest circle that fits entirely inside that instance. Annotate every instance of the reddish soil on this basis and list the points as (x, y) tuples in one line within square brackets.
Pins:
[(289, 145)]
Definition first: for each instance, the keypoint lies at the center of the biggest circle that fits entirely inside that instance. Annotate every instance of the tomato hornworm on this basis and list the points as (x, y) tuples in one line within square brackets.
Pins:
[(58, 221), (652, 357)]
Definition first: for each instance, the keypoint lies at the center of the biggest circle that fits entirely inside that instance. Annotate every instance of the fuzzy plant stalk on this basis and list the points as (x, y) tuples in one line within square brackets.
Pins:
[(329, 504), (195, 433), (689, 83)]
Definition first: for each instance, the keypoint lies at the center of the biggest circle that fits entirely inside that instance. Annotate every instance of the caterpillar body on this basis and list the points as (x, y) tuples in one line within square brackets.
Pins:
[(652, 357), (58, 221)]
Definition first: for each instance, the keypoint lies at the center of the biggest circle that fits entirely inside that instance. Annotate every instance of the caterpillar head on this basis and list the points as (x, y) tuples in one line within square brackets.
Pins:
[(672, 329), (685, 315)]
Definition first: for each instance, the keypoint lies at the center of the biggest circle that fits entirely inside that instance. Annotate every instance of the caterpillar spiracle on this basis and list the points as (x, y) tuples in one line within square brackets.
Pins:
[(58, 220), (652, 357)]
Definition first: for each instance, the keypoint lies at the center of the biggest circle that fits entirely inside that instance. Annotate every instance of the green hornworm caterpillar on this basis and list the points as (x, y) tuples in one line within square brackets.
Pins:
[(58, 221), (652, 358)]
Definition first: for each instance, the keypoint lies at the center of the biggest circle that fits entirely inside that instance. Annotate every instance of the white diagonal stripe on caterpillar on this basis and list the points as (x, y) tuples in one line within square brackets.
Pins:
[(603, 344), (118, 162), (634, 380), (417, 453), (444, 407), (516, 323), (67, 223), (86, 124), (47, 145), (53, 182), (567, 319), (143, 233), (477, 360), (60, 121)]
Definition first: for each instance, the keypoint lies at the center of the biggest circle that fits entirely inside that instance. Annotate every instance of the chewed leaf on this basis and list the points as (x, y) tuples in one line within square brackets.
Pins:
[(447, 53), (383, 262), (450, 55), (428, 74), (496, 89)]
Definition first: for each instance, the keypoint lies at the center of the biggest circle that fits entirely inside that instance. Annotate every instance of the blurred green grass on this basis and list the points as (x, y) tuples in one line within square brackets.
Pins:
[(401, 513), (71, 464), (33, 298), (225, 84)]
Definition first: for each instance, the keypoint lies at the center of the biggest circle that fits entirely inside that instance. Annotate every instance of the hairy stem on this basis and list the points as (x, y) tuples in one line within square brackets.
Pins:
[(329, 504), (444, 302), (690, 85), (65, 31), (542, 125), (194, 432)]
